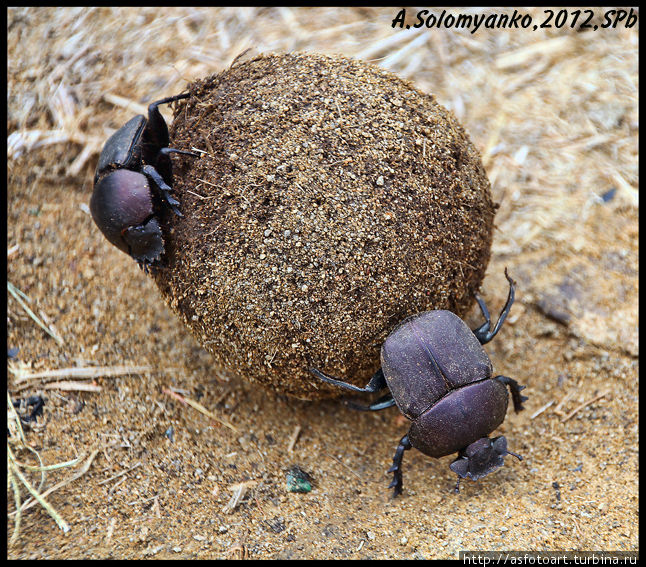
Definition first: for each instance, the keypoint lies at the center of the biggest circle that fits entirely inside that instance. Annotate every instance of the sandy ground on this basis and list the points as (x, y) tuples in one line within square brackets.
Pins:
[(554, 112)]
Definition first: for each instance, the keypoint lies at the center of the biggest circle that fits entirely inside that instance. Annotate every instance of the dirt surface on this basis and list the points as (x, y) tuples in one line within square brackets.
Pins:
[(554, 113)]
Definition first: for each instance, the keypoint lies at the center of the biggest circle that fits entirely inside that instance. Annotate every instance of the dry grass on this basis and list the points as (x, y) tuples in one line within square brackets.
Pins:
[(17, 474)]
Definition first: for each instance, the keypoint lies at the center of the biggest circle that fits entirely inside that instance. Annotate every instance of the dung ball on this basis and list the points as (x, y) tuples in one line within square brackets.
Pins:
[(331, 201)]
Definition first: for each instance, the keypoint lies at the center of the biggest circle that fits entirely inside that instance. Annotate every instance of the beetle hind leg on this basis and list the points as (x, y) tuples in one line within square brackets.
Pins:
[(377, 382), (514, 388), (152, 107), (167, 151), (482, 333), (155, 140), (157, 130), (397, 482)]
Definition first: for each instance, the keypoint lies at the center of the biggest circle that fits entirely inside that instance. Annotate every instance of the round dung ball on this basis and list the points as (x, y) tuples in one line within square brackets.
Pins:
[(332, 200)]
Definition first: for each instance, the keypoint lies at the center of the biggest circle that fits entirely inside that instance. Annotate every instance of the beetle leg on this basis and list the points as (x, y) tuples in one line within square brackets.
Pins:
[(166, 151), (460, 467), (377, 382), (156, 132), (153, 105), (149, 267), (164, 189), (144, 266), (161, 161), (164, 165), (155, 137), (397, 483), (382, 403), (514, 388), (482, 330), (482, 333)]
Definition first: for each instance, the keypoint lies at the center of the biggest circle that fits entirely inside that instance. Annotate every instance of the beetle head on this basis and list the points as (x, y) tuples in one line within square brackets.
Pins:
[(122, 208), (481, 457)]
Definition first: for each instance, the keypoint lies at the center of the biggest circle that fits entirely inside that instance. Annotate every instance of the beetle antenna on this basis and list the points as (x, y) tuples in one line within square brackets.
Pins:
[(515, 455)]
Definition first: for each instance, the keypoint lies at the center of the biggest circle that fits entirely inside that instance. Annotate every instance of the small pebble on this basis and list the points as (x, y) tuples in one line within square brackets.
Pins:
[(298, 480)]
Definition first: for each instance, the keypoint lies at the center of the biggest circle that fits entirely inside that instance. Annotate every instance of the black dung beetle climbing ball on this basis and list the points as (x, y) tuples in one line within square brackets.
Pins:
[(133, 182), (440, 377)]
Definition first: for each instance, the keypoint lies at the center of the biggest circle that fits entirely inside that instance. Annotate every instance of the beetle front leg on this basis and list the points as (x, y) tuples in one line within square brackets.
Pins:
[(514, 388), (397, 483)]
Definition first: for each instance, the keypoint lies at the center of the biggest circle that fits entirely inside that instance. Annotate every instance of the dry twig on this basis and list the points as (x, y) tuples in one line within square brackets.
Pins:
[(20, 297), (583, 405), (199, 407), (22, 374)]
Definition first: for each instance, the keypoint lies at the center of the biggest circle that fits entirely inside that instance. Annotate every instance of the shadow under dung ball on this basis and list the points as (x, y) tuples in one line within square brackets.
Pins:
[(333, 201)]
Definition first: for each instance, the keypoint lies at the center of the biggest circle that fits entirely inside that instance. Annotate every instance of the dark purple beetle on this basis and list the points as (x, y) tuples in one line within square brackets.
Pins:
[(132, 185), (440, 377)]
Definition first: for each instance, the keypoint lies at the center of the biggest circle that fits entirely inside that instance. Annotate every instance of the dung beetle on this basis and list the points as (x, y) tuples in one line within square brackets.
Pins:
[(133, 185), (440, 378)]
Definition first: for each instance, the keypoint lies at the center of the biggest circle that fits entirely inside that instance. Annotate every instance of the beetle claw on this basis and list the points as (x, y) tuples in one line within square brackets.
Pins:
[(174, 206), (397, 486)]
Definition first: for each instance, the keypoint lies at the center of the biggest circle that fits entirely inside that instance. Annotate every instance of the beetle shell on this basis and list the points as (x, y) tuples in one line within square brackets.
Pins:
[(427, 356), (121, 201), (460, 418), (122, 148)]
